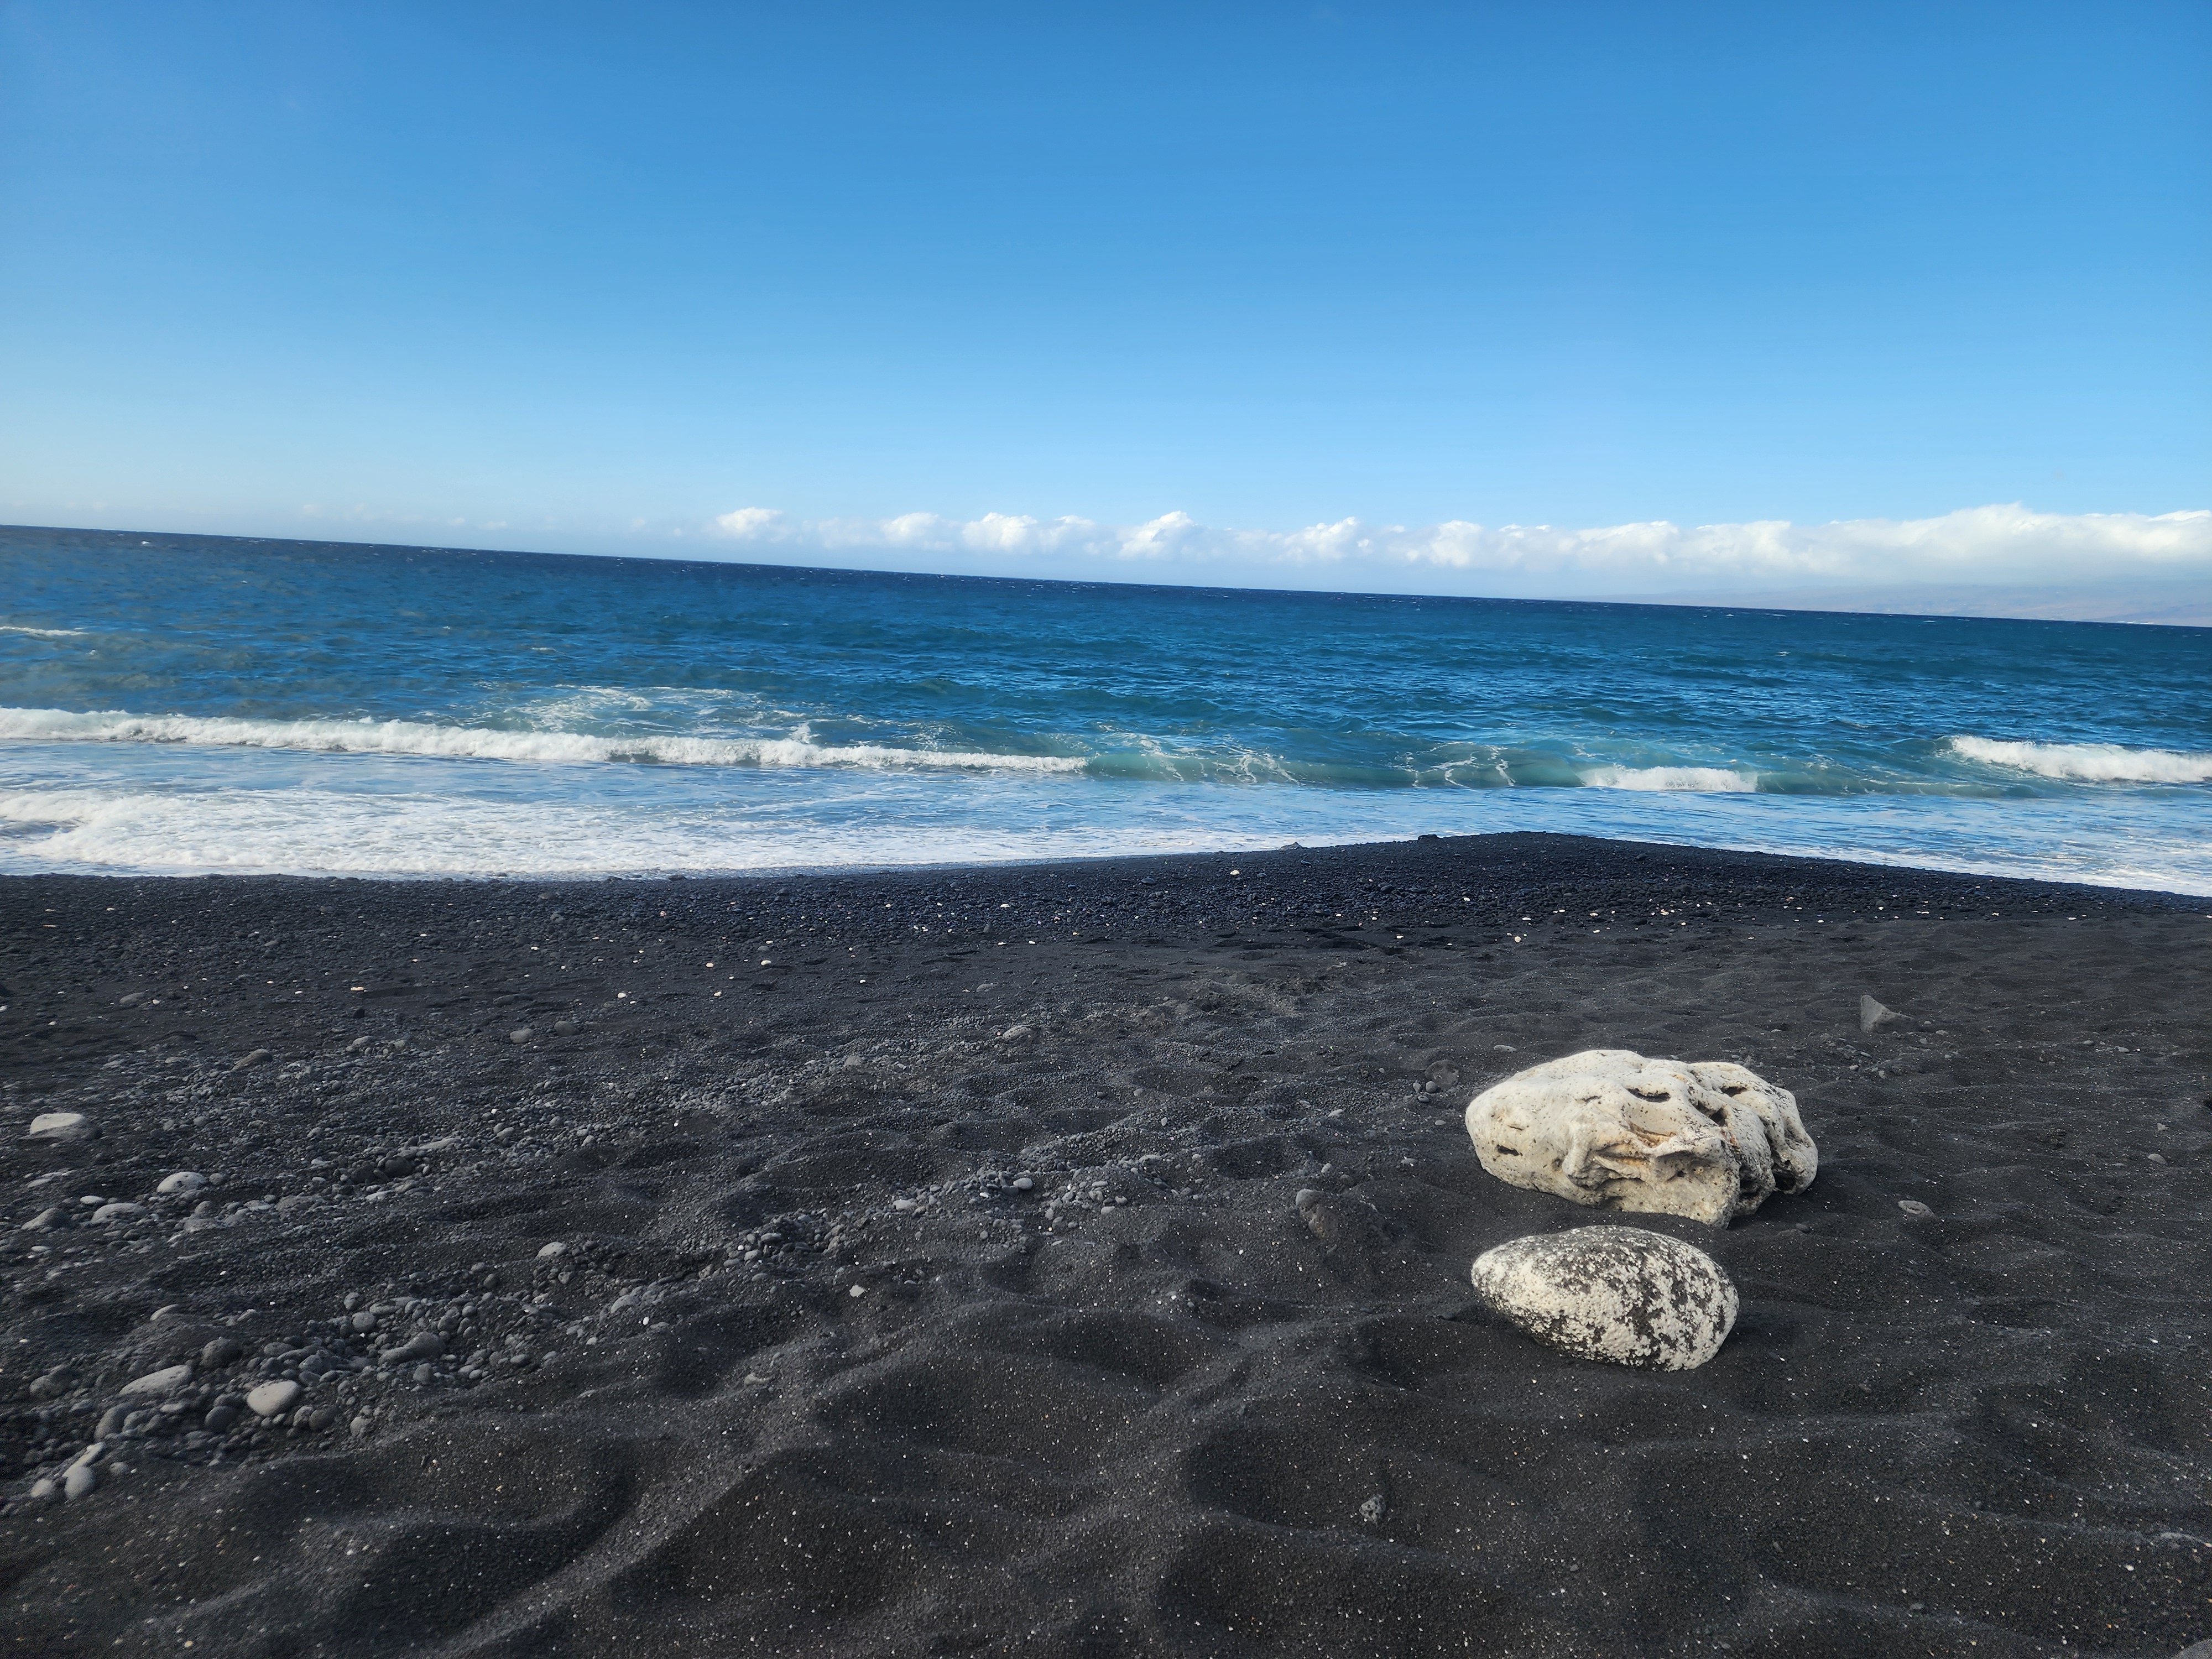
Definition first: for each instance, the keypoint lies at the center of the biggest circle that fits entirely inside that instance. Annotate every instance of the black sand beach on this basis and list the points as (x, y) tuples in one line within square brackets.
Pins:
[(930, 1281)]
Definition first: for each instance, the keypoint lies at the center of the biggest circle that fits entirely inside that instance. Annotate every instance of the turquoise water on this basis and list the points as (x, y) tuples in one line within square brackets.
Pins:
[(189, 703)]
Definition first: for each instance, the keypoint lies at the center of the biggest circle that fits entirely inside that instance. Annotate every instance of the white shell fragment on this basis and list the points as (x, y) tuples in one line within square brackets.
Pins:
[(1708, 1140), (1615, 1293)]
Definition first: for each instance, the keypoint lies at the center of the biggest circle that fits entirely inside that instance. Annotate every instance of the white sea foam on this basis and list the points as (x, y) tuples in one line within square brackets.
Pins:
[(44, 632), (1696, 779), (2090, 763), (259, 810), (313, 832), (415, 737)]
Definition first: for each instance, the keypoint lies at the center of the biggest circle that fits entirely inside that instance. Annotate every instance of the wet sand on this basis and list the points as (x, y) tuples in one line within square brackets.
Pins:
[(929, 1279)]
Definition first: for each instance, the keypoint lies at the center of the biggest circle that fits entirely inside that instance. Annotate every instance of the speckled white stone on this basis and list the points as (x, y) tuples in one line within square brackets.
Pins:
[(1613, 1293), (1708, 1140)]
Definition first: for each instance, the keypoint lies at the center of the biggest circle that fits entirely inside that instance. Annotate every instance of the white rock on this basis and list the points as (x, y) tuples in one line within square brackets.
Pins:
[(119, 1211), (167, 1379), (273, 1398), (1872, 1013), (1614, 1293), (556, 1248), (82, 1481), (1607, 1127), (60, 1126), (184, 1181)]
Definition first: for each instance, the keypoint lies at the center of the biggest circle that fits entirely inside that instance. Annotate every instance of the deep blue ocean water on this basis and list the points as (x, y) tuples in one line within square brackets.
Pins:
[(190, 703)]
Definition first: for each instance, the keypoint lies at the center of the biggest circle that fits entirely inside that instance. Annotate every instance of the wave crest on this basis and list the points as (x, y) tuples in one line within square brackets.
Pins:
[(2087, 763), (473, 742), (1698, 779)]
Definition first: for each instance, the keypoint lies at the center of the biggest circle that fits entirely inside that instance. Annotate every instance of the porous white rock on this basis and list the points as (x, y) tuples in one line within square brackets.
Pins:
[(1709, 1140), (1620, 1294), (59, 1125), (184, 1181)]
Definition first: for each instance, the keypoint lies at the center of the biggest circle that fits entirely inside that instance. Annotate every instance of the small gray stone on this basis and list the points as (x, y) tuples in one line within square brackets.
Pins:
[(60, 1126), (1872, 1013), (1334, 1219), (423, 1345), (1914, 1207), (564, 1027), (221, 1417), (221, 1352), (424, 1375), (556, 1248), (255, 1058), (184, 1181), (167, 1379), (49, 1219), (111, 1422), (130, 999), (82, 1481), (1374, 1510), (55, 1383), (520, 1034), (45, 1486), (274, 1399), (118, 1211)]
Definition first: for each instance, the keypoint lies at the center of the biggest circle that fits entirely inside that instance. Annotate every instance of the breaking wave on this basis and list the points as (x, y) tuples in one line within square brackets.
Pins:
[(2089, 762), (1698, 780), (369, 737)]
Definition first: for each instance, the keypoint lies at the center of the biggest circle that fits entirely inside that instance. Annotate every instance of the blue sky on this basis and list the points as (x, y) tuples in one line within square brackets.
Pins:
[(593, 278)]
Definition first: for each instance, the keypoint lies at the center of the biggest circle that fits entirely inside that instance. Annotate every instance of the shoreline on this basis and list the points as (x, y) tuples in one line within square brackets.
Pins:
[(813, 1372)]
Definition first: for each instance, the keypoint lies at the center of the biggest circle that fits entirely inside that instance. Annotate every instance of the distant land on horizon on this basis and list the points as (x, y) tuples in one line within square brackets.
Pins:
[(2171, 605)]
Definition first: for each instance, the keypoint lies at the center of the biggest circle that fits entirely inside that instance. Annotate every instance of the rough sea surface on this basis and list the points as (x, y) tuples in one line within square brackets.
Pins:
[(175, 704)]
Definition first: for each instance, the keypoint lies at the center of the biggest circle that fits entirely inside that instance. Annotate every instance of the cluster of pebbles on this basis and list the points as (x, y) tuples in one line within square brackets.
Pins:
[(225, 1403)]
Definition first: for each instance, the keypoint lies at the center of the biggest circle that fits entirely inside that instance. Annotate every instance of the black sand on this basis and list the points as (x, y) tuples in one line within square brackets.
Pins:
[(1143, 1419)]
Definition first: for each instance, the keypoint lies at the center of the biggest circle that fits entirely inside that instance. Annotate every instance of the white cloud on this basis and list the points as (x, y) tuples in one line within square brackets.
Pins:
[(1983, 544)]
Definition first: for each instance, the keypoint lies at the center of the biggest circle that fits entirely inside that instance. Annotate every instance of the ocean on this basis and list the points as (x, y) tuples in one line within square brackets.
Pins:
[(174, 704)]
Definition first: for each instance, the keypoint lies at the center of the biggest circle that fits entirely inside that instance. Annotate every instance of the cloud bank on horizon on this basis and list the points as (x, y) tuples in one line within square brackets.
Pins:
[(1994, 544)]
